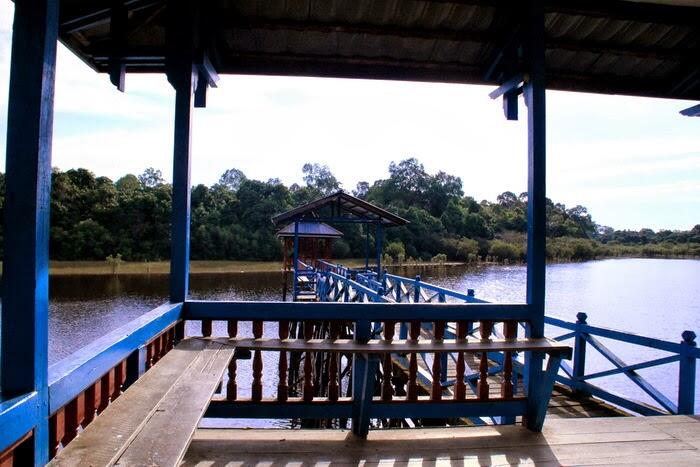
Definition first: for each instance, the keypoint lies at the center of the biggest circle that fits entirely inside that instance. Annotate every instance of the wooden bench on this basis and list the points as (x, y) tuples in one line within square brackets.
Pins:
[(153, 422), (368, 353)]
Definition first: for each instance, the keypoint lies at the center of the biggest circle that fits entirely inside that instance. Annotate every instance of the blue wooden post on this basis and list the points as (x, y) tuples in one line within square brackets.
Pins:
[(24, 352), (364, 369), (378, 242), (534, 91), (182, 76), (366, 247), (686, 375), (296, 260), (416, 290), (579, 369)]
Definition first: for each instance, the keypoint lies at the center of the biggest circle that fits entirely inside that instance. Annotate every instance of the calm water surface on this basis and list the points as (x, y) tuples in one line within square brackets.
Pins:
[(657, 298)]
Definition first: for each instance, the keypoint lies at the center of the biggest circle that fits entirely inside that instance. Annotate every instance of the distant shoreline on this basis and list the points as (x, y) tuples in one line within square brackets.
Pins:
[(67, 268)]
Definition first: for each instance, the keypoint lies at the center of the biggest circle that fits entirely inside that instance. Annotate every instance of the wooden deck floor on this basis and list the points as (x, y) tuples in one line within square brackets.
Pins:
[(671, 441)]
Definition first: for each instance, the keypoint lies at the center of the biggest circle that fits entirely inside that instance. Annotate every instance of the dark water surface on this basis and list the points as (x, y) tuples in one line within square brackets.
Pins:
[(657, 298)]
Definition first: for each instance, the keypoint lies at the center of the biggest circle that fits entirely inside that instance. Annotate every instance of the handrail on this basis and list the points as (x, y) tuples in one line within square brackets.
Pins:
[(584, 334), (72, 375)]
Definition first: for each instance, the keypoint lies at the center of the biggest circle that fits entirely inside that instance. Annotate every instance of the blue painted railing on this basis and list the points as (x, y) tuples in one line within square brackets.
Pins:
[(686, 353)]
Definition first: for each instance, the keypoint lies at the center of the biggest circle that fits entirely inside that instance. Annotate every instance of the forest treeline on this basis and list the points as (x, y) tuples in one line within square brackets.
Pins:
[(94, 217)]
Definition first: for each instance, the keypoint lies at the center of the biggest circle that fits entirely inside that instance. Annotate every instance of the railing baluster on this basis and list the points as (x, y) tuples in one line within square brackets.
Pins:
[(74, 414), (333, 383), (483, 385), (460, 386), (412, 393), (57, 429), (119, 379), (308, 365), (231, 386), (438, 334), (106, 389), (206, 327), (387, 365), (686, 374), (282, 386), (92, 395), (256, 389), (510, 331)]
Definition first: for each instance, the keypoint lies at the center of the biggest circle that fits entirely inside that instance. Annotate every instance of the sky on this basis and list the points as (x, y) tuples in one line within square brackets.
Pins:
[(633, 162)]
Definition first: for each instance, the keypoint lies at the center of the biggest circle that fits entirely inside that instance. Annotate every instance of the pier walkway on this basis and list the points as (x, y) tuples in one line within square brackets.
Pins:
[(667, 440)]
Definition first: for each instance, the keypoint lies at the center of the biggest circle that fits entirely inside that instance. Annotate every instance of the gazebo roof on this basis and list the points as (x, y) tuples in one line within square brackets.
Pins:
[(341, 203), (310, 230), (647, 48)]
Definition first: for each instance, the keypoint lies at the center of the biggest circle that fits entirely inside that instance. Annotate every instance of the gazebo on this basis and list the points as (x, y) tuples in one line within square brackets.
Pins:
[(315, 241), (307, 224)]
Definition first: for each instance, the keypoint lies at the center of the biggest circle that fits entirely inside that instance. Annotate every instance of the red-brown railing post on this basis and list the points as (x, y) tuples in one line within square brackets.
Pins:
[(483, 385), (231, 386), (282, 386), (412, 392), (387, 366), (510, 331), (256, 390), (438, 333), (460, 386)]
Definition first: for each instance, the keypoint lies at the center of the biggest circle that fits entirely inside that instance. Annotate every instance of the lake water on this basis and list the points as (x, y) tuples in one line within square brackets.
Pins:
[(653, 297)]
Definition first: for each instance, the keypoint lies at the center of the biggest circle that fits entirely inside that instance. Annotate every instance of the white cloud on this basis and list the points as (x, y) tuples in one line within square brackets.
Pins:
[(604, 151)]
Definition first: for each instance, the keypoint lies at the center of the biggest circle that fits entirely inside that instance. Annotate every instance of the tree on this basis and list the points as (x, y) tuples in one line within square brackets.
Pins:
[(361, 190), (151, 178), (320, 177), (232, 179)]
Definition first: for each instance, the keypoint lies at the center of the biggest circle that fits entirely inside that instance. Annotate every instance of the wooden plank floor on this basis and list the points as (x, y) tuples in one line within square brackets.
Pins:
[(669, 441)]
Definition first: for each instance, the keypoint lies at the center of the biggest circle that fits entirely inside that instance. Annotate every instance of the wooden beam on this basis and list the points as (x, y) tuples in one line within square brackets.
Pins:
[(24, 353), (98, 13)]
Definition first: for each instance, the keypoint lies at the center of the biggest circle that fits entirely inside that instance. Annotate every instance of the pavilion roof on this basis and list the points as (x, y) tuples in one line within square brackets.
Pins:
[(342, 206), (310, 230), (647, 48)]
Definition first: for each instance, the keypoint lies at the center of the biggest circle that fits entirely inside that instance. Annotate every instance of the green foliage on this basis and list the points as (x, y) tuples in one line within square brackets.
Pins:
[(395, 250), (92, 217), (114, 261), (503, 251), (439, 258)]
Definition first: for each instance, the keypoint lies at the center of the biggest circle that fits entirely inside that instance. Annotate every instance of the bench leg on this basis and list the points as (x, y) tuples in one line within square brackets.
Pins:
[(538, 402), (364, 370)]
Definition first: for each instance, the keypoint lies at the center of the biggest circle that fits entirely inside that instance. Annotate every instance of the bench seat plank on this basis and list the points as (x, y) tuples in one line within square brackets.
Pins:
[(381, 346), (166, 435), (110, 433)]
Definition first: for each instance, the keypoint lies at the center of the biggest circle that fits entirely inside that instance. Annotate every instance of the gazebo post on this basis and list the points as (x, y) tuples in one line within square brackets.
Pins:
[(534, 92), (378, 243), (296, 260), (24, 353), (366, 226)]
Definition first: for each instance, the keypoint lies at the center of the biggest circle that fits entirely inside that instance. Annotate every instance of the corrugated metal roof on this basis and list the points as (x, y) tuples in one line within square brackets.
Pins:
[(609, 46), (310, 230)]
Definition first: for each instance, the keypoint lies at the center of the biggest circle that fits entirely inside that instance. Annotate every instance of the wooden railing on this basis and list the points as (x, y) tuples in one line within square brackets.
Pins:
[(309, 381), (583, 337), (83, 385)]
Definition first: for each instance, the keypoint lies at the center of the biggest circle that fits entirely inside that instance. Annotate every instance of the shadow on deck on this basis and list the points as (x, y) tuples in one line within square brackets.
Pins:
[(670, 440)]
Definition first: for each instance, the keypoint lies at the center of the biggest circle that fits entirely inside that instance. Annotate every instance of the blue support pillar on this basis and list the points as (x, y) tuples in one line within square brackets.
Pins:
[(182, 74), (24, 353), (534, 91), (296, 260), (378, 243), (180, 233), (366, 247)]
